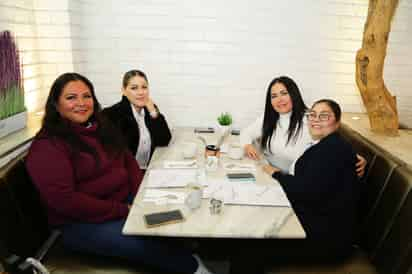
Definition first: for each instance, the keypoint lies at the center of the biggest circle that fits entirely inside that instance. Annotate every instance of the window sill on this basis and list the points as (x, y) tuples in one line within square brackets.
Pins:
[(14, 144)]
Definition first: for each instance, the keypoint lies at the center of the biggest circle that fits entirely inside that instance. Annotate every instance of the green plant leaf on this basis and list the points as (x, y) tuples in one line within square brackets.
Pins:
[(224, 119)]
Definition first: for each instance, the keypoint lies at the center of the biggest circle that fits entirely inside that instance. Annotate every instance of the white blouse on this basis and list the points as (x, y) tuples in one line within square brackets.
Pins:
[(281, 154), (145, 142)]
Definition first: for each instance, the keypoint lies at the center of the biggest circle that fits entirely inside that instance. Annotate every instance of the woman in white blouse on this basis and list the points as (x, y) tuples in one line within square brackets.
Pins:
[(138, 118), (282, 129)]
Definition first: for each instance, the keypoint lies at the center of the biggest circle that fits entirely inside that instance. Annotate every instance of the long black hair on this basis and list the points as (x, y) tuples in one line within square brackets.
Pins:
[(271, 117), (55, 126)]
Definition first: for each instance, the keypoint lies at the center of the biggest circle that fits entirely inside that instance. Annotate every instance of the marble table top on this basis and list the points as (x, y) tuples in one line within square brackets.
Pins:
[(235, 221)]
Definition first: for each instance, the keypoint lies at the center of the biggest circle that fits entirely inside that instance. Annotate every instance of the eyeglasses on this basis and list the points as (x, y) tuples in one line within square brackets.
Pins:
[(323, 116)]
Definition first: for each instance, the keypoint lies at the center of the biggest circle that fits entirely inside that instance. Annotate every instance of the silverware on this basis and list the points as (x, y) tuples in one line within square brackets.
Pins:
[(183, 164)]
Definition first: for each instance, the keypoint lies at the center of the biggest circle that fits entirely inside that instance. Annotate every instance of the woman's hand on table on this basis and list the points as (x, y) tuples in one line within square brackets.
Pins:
[(270, 169), (251, 152)]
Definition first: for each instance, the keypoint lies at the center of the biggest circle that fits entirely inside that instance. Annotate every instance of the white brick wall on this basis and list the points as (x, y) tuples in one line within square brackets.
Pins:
[(43, 35), (398, 63), (205, 57)]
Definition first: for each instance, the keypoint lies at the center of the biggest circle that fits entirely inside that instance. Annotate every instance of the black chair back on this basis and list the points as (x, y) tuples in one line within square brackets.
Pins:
[(24, 227)]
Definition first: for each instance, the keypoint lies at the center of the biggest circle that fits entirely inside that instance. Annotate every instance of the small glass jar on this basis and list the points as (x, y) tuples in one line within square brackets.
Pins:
[(215, 206)]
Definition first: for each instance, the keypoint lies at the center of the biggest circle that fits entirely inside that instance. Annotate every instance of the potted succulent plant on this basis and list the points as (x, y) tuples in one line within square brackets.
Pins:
[(225, 122), (12, 110)]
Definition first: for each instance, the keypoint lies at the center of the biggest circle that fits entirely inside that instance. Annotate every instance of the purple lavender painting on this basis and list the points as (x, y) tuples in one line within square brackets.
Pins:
[(11, 82)]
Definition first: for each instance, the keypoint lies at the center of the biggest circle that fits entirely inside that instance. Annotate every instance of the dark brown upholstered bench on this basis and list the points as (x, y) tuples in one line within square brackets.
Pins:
[(384, 244), (24, 230)]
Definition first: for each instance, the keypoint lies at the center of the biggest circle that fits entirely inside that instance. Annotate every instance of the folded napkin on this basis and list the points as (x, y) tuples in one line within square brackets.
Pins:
[(180, 164)]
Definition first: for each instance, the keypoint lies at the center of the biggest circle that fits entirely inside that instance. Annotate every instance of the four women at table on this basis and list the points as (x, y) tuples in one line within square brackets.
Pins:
[(91, 179), (138, 118), (87, 178)]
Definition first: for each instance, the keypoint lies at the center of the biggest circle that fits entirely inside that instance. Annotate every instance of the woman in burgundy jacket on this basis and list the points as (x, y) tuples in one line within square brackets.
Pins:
[(87, 180)]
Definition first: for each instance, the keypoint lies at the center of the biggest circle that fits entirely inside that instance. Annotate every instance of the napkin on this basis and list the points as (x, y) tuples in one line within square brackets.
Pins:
[(180, 164), (239, 167)]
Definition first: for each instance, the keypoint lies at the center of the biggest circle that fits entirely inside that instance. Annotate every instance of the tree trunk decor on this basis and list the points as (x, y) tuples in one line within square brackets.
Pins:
[(379, 103)]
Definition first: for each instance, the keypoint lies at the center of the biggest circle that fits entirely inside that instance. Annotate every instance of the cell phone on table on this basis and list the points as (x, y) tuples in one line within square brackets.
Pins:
[(235, 132), (246, 176), (204, 130), (163, 218)]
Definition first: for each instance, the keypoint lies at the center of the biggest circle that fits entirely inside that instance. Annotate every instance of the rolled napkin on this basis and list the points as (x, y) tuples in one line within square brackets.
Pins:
[(180, 164), (239, 167), (163, 197)]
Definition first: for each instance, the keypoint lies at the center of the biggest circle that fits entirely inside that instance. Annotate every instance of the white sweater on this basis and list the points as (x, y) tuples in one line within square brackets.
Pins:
[(282, 155)]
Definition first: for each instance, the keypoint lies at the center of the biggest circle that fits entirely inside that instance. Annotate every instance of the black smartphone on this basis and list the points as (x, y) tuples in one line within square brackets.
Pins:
[(162, 218), (247, 176), (235, 132), (204, 130)]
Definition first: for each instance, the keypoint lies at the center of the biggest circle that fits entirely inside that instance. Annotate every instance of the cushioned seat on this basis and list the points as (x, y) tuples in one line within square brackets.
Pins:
[(388, 207), (361, 146), (394, 255), (373, 187), (25, 228)]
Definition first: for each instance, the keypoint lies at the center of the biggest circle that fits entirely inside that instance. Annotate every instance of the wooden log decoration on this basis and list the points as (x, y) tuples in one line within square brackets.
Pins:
[(379, 103)]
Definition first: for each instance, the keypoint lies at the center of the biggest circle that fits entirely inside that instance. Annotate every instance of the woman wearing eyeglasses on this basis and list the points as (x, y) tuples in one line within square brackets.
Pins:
[(138, 118), (324, 189), (282, 131)]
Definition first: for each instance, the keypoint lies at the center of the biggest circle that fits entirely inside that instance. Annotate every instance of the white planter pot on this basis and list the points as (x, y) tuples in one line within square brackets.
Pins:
[(224, 130), (13, 123)]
